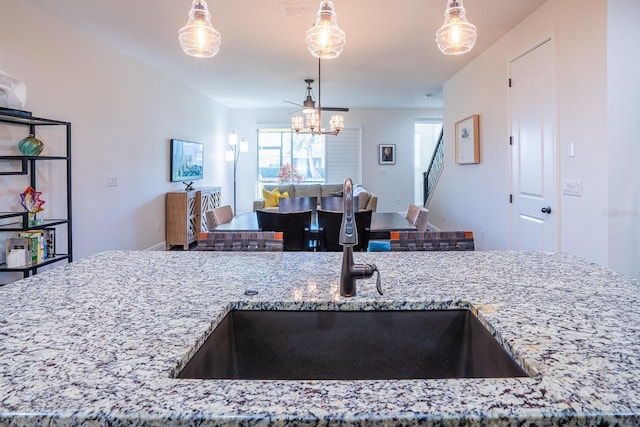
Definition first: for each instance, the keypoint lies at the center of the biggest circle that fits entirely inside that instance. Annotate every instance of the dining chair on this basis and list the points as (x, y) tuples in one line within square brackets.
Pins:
[(432, 241), (422, 219), (330, 222), (297, 204), (295, 227), (335, 203), (217, 216), (412, 213), (263, 241), (211, 220)]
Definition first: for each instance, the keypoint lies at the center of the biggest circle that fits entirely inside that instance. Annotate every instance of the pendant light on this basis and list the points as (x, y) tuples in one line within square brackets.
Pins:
[(325, 39), (457, 35), (313, 115), (198, 38)]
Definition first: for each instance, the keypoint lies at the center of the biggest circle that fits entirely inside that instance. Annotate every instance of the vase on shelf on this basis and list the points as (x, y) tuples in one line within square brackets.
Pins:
[(30, 146)]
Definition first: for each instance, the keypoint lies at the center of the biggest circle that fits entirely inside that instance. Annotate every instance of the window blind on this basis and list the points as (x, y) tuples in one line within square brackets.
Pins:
[(343, 154)]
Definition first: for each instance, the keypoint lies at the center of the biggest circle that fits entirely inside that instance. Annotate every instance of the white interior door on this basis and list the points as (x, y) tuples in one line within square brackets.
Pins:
[(533, 154)]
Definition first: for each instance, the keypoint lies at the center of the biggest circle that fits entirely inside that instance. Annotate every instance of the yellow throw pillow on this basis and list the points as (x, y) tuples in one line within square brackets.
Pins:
[(271, 197)]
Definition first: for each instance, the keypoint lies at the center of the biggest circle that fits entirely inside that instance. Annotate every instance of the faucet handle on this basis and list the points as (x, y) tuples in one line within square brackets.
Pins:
[(378, 279), (367, 270)]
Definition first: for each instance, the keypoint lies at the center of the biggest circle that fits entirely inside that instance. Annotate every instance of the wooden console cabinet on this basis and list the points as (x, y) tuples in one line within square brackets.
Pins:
[(185, 216)]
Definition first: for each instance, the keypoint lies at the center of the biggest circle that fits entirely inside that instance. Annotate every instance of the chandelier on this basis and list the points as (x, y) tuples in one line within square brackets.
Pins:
[(457, 35), (198, 38), (313, 115), (325, 39)]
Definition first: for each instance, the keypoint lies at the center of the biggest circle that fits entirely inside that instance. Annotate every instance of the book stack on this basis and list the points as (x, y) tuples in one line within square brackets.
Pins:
[(30, 247)]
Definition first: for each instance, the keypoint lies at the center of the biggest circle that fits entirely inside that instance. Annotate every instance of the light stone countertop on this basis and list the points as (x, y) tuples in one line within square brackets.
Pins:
[(99, 341)]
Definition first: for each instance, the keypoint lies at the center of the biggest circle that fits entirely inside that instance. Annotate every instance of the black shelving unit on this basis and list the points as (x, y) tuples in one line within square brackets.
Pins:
[(28, 166)]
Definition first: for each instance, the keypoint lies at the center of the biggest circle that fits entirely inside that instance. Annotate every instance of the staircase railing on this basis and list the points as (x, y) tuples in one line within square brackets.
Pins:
[(430, 177)]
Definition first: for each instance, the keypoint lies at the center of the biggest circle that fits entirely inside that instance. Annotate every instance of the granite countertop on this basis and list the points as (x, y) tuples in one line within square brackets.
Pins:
[(100, 340)]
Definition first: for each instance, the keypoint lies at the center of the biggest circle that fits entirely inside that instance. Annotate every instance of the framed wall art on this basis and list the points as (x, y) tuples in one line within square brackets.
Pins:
[(387, 154), (468, 140), (187, 160)]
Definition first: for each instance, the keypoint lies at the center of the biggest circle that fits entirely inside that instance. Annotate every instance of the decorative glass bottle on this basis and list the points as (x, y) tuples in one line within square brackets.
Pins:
[(30, 146)]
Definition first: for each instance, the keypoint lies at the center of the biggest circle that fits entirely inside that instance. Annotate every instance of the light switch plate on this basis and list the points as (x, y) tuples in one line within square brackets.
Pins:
[(572, 187)]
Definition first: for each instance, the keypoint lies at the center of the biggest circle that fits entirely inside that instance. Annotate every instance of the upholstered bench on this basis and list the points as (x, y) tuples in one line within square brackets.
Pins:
[(432, 241), (264, 241)]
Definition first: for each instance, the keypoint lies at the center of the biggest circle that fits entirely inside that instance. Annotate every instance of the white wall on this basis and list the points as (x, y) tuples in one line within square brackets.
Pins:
[(123, 116), (624, 149), (475, 197), (392, 183)]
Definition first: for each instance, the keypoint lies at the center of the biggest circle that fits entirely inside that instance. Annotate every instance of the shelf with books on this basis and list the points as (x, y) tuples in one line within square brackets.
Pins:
[(16, 225), (33, 267), (31, 247)]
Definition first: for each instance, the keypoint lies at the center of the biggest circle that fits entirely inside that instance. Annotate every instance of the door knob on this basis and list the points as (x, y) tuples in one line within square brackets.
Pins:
[(546, 209)]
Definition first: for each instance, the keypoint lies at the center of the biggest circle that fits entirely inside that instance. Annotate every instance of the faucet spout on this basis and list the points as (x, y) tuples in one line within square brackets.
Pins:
[(348, 238)]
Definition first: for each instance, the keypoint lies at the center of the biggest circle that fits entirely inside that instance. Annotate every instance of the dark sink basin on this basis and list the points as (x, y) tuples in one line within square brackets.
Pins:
[(350, 345)]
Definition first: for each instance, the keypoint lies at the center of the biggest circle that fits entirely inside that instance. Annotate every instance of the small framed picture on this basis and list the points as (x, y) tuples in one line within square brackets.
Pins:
[(387, 154), (468, 141)]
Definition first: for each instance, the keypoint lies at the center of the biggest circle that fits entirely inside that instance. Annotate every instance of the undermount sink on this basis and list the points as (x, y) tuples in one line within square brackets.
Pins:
[(350, 345)]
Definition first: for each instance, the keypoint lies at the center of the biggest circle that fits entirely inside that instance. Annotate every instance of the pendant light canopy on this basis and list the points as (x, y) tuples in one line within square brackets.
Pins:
[(198, 38), (325, 39), (457, 35)]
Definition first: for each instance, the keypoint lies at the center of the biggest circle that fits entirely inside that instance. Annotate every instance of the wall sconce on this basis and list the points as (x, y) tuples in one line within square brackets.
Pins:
[(233, 155)]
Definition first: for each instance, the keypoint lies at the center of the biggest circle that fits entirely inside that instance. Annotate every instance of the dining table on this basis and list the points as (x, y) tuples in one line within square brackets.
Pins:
[(382, 224)]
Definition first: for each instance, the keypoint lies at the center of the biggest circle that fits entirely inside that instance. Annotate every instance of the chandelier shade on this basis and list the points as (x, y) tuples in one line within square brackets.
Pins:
[(457, 35), (297, 123), (325, 39), (198, 38), (336, 123)]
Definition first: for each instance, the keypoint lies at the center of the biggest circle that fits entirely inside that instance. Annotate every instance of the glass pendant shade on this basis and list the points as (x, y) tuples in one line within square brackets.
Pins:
[(198, 38), (457, 35), (297, 123), (337, 123), (312, 121), (325, 39)]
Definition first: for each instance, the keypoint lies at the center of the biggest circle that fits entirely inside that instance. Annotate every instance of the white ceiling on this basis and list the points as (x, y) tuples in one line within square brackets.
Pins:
[(390, 60)]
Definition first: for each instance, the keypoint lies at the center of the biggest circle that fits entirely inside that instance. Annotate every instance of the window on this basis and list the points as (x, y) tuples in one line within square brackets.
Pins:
[(287, 157)]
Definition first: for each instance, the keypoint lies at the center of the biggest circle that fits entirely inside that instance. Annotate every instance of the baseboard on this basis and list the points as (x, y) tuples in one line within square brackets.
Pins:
[(162, 246)]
